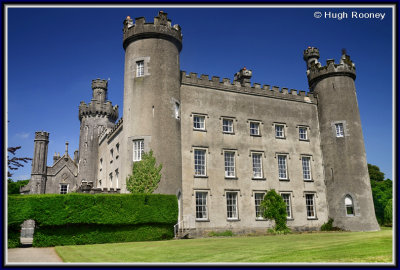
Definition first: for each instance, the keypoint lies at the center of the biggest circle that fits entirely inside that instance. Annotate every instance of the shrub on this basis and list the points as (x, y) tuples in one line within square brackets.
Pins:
[(388, 213), (225, 233), (14, 236), (328, 226), (274, 208)]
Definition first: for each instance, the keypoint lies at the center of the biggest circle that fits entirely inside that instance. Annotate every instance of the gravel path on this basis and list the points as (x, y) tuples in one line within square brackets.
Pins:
[(33, 255)]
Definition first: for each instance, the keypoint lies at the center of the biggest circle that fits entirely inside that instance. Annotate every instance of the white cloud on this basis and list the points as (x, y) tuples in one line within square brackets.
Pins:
[(23, 135)]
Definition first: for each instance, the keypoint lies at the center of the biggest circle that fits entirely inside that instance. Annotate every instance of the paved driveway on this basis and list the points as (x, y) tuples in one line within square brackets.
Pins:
[(33, 255)]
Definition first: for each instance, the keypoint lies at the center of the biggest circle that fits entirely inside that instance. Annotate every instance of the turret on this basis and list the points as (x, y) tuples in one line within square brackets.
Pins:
[(152, 97), (346, 173), (39, 163), (243, 76), (95, 116)]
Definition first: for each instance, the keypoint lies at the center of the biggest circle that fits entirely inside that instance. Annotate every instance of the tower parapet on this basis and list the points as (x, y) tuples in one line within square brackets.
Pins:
[(100, 109), (160, 28), (316, 72)]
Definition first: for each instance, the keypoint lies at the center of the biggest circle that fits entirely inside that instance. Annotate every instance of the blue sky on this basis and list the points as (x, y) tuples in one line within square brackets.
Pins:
[(54, 53)]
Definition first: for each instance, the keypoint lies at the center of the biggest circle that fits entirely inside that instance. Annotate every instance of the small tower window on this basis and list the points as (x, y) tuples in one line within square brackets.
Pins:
[(348, 201), (177, 110), (339, 130), (139, 68)]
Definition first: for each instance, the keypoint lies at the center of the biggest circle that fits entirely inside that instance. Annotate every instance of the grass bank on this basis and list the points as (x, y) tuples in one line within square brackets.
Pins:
[(342, 247)]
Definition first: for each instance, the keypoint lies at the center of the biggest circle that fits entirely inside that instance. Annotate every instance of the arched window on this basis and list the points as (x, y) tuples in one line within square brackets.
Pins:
[(348, 202)]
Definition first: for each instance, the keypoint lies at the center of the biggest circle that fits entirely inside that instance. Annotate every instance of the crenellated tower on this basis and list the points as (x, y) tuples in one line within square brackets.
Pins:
[(346, 173), (94, 117), (152, 97), (39, 163)]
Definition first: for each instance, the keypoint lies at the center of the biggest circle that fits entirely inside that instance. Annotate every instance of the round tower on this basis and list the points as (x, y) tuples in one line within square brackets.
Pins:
[(94, 117), (39, 163), (152, 97), (346, 173)]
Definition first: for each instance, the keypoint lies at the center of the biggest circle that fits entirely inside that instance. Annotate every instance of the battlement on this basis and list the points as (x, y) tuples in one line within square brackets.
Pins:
[(160, 28), (108, 133), (41, 136), (98, 83), (316, 72), (98, 109), (246, 88)]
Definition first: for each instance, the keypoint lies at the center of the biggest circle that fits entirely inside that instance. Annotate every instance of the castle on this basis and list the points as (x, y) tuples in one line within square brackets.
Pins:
[(222, 144)]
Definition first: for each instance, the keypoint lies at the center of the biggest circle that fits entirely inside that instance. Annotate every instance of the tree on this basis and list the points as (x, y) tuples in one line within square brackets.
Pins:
[(13, 187), (274, 207), (145, 175), (15, 162), (388, 213), (375, 173)]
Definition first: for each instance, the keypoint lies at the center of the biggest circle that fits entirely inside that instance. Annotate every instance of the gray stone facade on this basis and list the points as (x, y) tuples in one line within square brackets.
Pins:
[(222, 144)]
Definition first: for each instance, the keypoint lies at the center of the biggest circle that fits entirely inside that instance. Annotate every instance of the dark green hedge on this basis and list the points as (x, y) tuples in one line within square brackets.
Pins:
[(110, 209), (91, 219), (82, 234)]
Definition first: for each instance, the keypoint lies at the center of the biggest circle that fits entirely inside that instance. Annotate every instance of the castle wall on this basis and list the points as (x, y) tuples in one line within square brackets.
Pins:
[(216, 100)]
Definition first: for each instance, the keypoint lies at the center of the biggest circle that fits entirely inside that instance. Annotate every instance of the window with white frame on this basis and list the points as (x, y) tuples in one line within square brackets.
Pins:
[(279, 131), (116, 178), (139, 68), (227, 125), (282, 167), (339, 130), (199, 122), (231, 204), (303, 134), (254, 128), (200, 162), (257, 165), (306, 164), (258, 198), (229, 163), (310, 205), (63, 188), (286, 199), (177, 111), (201, 205), (138, 149), (348, 201)]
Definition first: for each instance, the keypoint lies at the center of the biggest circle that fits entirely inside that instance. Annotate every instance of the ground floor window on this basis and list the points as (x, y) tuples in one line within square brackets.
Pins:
[(310, 205), (286, 199), (231, 204), (63, 188), (258, 198), (348, 201), (201, 205)]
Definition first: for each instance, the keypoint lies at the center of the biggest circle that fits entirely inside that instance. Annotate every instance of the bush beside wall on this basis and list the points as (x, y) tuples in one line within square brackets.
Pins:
[(100, 218)]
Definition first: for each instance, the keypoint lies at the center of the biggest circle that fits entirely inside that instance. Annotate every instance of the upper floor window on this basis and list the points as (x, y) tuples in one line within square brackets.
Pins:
[(101, 164), (199, 122), (177, 111), (282, 167), (258, 198), (111, 155), (200, 162), (257, 165), (139, 68), (63, 188), (229, 164), (231, 205), (303, 134), (339, 130), (348, 201), (117, 148), (306, 164), (255, 128), (201, 206), (227, 125), (310, 205), (286, 199), (279, 131), (111, 178), (138, 149)]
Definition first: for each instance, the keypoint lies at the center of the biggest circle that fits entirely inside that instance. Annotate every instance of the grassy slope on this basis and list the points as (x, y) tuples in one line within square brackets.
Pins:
[(311, 247)]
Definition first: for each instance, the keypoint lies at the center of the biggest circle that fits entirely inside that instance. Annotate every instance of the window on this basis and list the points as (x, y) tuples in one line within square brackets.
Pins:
[(112, 155), (258, 198), (231, 204), (286, 199), (101, 164), (305, 161), (201, 206), (63, 188), (117, 148), (282, 167), (348, 201), (339, 130), (139, 68), (229, 164), (254, 128), (257, 165), (138, 149), (116, 178), (200, 162), (111, 178), (227, 125), (310, 206), (303, 134), (177, 110), (279, 131), (199, 122), (100, 183)]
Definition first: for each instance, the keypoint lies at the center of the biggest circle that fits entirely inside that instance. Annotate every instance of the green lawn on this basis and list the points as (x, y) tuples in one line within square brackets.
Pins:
[(354, 247)]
